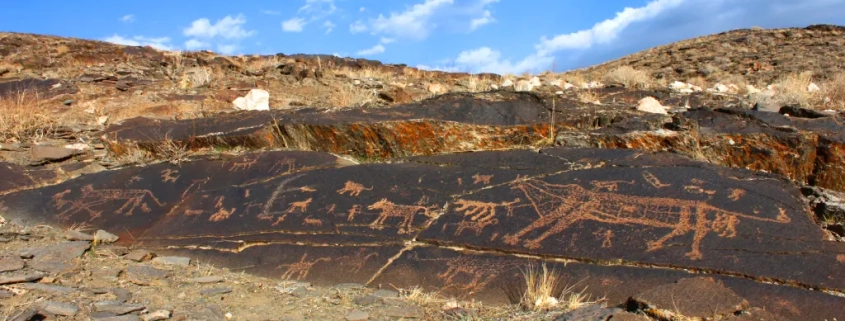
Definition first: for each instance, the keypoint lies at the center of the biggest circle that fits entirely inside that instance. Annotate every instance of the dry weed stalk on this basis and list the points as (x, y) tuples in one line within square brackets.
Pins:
[(792, 90), (23, 118), (171, 151), (629, 77), (544, 291), (348, 95), (833, 92)]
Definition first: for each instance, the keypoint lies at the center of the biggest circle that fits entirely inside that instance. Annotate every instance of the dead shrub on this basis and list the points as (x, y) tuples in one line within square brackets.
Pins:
[(348, 95), (629, 77), (792, 90), (544, 291), (833, 92)]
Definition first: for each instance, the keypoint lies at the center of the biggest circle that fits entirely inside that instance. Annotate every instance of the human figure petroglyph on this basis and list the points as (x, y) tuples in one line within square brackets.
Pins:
[(406, 212), (301, 268), (358, 260), (354, 189), (561, 206), (167, 175), (300, 206), (653, 180), (131, 180), (222, 213), (478, 178), (354, 210), (607, 237), (736, 194), (91, 198)]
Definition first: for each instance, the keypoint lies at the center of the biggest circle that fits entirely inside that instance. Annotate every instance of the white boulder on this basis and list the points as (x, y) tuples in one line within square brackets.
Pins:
[(535, 82), (523, 85), (721, 88), (567, 86), (507, 83), (651, 105), (751, 89), (256, 99), (812, 87)]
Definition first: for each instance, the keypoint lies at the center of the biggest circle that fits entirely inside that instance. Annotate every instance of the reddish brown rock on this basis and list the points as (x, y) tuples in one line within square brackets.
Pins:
[(700, 297)]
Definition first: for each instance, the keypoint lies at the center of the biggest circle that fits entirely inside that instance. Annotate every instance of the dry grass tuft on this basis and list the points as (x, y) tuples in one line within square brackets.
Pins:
[(348, 95), (833, 92), (199, 76), (792, 90), (544, 291), (629, 77), (171, 151), (23, 118), (588, 96)]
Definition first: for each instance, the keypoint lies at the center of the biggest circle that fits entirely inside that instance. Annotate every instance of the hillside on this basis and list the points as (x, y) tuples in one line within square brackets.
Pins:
[(756, 56)]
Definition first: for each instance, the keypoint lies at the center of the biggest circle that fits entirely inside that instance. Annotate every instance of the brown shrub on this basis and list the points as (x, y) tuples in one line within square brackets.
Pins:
[(23, 118), (628, 76)]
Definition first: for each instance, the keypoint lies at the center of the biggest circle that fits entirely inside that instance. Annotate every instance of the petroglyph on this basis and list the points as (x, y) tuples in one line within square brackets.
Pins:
[(244, 164), (353, 188), (478, 178), (478, 215), (610, 186), (284, 166), (309, 221), (300, 206), (607, 237), (561, 206), (406, 212), (131, 180), (307, 189), (476, 226), (736, 194), (301, 268), (167, 175), (281, 189), (357, 261), (460, 181), (91, 198), (653, 180), (694, 189), (478, 272), (222, 213), (354, 210)]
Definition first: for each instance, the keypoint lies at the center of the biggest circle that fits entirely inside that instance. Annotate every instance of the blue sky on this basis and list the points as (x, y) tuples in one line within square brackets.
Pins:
[(502, 36)]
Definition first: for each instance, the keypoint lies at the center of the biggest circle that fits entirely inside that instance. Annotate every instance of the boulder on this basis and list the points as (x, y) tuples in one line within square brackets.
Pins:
[(651, 105), (256, 99)]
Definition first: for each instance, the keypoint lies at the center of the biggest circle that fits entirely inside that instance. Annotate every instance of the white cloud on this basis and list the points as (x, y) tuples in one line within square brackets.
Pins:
[(128, 18), (607, 30), (194, 44), (385, 40), (160, 43), (318, 8), (226, 28), (271, 12), (329, 26), (486, 18), (362, 9), (413, 23), (377, 49), (357, 27), (489, 60), (293, 24)]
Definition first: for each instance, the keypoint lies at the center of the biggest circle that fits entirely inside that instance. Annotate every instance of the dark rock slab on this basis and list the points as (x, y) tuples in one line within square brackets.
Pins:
[(48, 288), (694, 298), (11, 263), (41, 88), (593, 312), (42, 154), (18, 177), (20, 278), (696, 217), (56, 257)]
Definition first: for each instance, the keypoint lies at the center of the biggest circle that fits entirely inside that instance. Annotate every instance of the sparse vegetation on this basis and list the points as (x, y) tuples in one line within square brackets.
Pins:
[(588, 96), (833, 92), (629, 77), (349, 95), (544, 291), (23, 118), (792, 90)]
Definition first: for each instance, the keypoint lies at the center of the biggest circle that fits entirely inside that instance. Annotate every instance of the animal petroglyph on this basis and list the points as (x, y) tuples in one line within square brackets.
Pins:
[(354, 210), (653, 180), (357, 261), (478, 178), (354, 189), (694, 189), (406, 212), (561, 206), (610, 186), (222, 213), (478, 215), (280, 190), (300, 206), (478, 272), (243, 164), (167, 175), (736, 194), (284, 166), (309, 221), (301, 268), (90, 198)]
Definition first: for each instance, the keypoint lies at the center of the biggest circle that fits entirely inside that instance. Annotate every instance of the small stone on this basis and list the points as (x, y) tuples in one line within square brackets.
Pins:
[(105, 237), (56, 258), (628, 316), (106, 273), (366, 300), (156, 315), (144, 274), (74, 235), (117, 307), (228, 315), (40, 154), (101, 314), (407, 312), (172, 260), (8, 264), (343, 286), (24, 315), (11, 279), (215, 291), (299, 291), (357, 315), (121, 295), (386, 294), (126, 317), (49, 288), (110, 250), (68, 102), (205, 279), (139, 255), (59, 308)]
